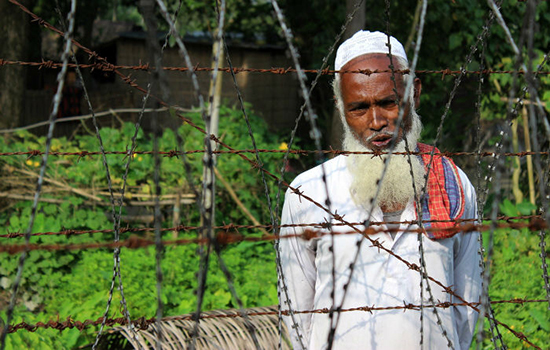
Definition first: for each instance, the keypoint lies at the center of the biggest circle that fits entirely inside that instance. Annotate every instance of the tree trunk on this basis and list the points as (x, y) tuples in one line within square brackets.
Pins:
[(14, 29)]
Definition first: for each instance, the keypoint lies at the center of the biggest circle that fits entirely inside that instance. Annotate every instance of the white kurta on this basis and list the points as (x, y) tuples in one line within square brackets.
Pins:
[(378, 279)]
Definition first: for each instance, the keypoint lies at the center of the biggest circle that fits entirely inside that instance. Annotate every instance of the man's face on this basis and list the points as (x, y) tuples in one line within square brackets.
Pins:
[(370, 105)]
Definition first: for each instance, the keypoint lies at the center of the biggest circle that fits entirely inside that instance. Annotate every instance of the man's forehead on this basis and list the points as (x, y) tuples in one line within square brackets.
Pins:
[(371, 59), (373, 62)]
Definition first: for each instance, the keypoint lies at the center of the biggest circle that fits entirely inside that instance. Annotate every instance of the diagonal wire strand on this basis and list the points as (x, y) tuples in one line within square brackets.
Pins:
[(53, 115), (204, 256), (105, 166), (156, 81), (117, 219), (324, 64), (532, 7), (315, 132), (495, 333), (387, 160)]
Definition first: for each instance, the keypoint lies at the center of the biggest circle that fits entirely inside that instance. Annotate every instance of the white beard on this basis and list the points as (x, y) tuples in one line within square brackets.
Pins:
[(396, 188)]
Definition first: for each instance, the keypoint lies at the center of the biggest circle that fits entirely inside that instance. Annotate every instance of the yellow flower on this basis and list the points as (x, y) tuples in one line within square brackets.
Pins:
[(36, 164), (29, 162), (283, 146), (140, 158)]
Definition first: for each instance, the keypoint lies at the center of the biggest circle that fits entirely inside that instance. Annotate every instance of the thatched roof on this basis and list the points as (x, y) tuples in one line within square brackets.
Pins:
[(214, 333)]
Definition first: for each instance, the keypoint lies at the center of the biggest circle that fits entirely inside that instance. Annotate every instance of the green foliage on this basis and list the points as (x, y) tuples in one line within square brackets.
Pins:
[(516, 273), (75, 283), (250, 18), (451, 28)]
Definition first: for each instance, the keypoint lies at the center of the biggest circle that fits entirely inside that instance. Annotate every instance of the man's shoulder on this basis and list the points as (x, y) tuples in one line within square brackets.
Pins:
[(327, 180), (307, 194), (425, 148), (314, 176)]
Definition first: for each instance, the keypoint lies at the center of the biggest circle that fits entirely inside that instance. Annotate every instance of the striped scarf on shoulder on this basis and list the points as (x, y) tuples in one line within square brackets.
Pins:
[(443, 201)]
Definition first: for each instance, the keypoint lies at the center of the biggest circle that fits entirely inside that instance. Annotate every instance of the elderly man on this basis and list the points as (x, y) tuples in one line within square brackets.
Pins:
[(347, 271)]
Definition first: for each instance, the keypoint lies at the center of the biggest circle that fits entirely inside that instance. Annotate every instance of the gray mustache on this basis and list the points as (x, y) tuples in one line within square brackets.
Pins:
[(380, 133)]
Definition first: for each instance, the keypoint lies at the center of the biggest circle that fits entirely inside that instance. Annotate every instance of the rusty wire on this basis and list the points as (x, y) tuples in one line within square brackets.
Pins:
[(110, 67), (480, 204), (143, 323), (254, 164), (296, 190), (231, 227), (229, 234), (146, 67), (56, 103), (302, 152)]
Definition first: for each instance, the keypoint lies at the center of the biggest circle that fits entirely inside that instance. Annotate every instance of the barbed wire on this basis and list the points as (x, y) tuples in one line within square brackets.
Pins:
[(34, 209), (282, 284), (302, 152), (231, 227), (146, 67), (116, 219), (495, 332), (230, 235), (154, 80), (132, 83), (143, 323), (207, 194), (229, 239), (498, 163)]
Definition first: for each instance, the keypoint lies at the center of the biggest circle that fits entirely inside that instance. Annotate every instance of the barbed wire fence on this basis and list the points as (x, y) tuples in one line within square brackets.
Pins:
[(211, 237)]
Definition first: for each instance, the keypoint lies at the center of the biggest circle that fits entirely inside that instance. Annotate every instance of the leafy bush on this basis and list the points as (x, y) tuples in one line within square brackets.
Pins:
[(75, 283), (516, 273)]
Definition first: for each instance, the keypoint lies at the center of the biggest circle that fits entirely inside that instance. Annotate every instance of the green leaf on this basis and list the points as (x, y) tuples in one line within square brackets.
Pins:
[(50, 209), (525, 208), (508, 208), (542, 318), (76, 201), (171, 41), (14, 222), (455, 39)]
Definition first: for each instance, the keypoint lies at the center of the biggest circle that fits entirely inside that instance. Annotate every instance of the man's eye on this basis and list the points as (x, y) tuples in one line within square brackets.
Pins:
[(388, 103), (360, 108)]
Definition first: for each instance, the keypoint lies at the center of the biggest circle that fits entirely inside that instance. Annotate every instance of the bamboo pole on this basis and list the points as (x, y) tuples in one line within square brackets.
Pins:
[(176, 218), (59, 184), (518, 195), (94, 202), (529, 158), (237, 201), (214, 91)]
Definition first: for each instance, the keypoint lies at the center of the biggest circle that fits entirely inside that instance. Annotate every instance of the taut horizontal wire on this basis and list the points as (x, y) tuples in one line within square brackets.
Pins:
[(176, 153), (226, 237), (143, 323), (233, 227), (274, 70)]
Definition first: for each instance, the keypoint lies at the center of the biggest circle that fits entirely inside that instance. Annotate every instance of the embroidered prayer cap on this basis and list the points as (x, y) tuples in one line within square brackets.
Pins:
[(364, 42)]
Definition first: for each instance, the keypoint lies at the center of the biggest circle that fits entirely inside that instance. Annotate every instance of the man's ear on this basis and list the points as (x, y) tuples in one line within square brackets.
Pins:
[(417, 91)]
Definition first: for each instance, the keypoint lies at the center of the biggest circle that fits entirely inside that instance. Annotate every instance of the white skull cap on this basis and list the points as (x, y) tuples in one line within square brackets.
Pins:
[(364, 42)]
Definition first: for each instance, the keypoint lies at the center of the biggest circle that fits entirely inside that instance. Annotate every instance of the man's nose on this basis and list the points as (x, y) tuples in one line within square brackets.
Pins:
[(379, 121)]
